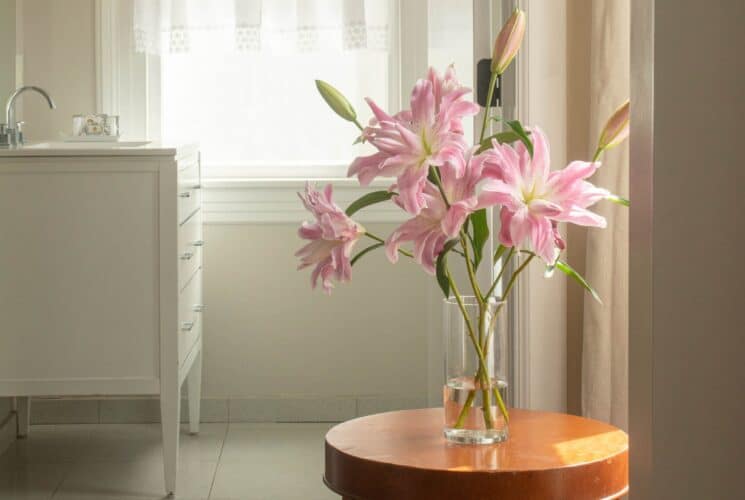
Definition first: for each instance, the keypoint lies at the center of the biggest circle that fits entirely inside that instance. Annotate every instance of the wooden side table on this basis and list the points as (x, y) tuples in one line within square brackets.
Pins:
[(403, 456)]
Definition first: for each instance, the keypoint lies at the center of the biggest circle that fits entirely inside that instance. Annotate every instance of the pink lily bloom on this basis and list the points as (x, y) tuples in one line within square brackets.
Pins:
[(410, 142), (534, 199), (332, 236), (436, 223)]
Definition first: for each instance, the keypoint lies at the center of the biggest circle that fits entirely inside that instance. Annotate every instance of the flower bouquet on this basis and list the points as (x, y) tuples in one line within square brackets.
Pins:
[(446, 187)]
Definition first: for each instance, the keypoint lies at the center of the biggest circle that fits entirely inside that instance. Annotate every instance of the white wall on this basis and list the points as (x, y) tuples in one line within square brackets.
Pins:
[(7, 51), (7, 84), (268, 334), (687, 283), (59, 56)]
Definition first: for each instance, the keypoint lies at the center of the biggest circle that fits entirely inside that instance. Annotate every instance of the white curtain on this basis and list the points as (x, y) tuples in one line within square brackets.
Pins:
[(605, 330), (178, 26)]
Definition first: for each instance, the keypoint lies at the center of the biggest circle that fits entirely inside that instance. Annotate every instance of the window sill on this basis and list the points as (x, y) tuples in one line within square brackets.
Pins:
[(260, 200), (247, 182)]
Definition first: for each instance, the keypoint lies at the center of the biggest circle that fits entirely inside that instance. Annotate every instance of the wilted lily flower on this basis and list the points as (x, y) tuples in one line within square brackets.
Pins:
[(616, 129), (333, 236), (508, 42)]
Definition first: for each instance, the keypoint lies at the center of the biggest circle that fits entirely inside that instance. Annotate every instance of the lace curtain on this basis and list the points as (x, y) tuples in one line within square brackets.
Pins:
[(185, 26)]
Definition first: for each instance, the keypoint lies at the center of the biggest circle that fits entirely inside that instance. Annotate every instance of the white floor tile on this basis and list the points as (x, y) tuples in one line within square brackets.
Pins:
[(130, 442), (124, 462), (51, 444), (251, 442), (138, 480), (25, 481), (272, 461)]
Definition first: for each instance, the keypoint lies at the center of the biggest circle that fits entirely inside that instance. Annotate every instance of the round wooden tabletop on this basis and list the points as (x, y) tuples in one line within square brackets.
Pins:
[(403, 455)]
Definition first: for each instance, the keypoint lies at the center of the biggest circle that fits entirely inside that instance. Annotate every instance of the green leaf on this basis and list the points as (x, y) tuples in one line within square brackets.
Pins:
[(480, 234), (441, 268), (364, 251), (369, 199), (569, 271), (498, 254), (506, 137), (517, 127), (359, 140), (617, 199)]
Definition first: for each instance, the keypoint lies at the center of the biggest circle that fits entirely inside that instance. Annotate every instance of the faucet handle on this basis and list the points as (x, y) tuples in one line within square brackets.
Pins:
[(4, 135), (19, 132)]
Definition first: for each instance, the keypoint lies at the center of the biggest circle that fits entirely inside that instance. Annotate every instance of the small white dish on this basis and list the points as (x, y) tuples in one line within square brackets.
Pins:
[(92, 138)]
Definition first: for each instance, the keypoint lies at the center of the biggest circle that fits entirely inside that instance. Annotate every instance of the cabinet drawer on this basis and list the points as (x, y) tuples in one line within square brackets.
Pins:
[(189, 169), (189, 199), (190, 316), (189, 248), (189, 178)]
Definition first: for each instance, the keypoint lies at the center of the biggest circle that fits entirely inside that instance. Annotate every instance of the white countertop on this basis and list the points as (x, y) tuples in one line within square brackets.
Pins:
[(120, 148)]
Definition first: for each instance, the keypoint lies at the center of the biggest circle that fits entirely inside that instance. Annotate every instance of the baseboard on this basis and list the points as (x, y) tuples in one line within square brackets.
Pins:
[(8, 431), (252, 409)]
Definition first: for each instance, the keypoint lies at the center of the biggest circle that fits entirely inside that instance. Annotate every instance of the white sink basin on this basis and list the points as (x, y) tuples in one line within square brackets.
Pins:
[(87, 145)]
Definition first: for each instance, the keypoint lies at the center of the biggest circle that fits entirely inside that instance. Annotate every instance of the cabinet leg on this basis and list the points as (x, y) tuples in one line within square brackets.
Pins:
[(194, 393), (23, 415), (169, 417)]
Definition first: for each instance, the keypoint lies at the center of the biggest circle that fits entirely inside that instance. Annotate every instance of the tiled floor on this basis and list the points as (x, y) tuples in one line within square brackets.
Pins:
[(124, 462)]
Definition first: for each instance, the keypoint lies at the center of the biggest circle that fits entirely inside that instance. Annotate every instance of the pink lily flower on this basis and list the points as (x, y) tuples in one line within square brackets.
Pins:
[(410, 142), (534, 199), (332, 236), (436, 223)]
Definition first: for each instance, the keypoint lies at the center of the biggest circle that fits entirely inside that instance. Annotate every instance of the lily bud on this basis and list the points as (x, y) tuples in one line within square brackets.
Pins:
[(616, 130), (336, 101), (508, 42)]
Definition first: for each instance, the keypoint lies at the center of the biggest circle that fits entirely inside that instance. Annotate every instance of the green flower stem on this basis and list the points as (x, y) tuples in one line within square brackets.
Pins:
[(438, 182), (466, 407), (489, 96), (481, 372), (358, 125), (500, 403), (501, 272), (381, 240), (484, 350), (485, 387), (507, 290), (471, 271), (597, 154)]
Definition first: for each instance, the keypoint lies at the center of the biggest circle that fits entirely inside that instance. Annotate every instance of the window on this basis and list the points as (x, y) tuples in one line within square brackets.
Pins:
[(236, 76), (260, 114)]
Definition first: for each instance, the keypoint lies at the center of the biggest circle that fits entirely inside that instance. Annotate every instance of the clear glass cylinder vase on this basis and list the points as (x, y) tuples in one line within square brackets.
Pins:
[(475, 371)]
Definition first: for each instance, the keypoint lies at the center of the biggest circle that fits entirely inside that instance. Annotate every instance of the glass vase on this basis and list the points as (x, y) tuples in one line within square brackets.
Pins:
[(475, 382)]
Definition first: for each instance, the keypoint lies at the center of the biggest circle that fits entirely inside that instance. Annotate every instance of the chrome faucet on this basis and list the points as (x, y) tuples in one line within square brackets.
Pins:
[(11, 133)]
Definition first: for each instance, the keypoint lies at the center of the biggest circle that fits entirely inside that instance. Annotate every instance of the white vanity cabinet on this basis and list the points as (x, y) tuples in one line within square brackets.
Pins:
[(100, 276)]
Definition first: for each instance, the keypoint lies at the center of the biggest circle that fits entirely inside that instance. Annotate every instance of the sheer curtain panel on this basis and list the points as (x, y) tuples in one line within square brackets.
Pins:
[(188, 26)]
